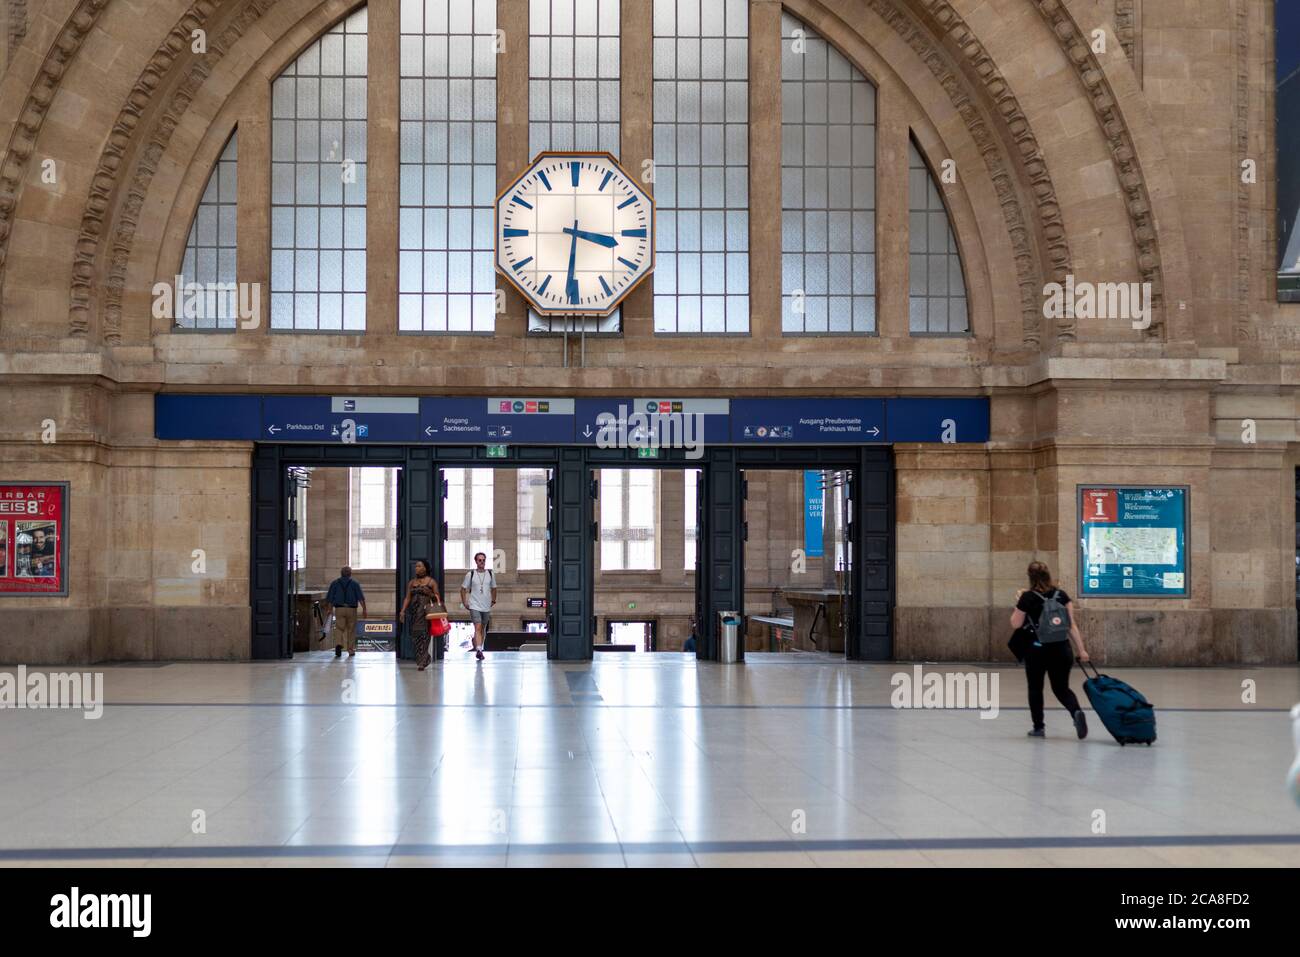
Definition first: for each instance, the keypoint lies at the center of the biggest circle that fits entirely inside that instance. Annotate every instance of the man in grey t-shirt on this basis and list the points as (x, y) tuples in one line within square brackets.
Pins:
[(478, 593)]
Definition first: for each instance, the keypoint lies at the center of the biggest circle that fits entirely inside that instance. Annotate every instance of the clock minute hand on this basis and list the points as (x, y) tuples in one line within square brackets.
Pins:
[(600, 239)]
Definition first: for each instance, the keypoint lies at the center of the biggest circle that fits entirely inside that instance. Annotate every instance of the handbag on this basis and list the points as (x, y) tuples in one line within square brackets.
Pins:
[(1020, 642), (437, 619)]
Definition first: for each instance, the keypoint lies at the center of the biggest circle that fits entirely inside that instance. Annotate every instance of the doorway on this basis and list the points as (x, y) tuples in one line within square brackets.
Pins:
[(712, 578), (337, 517), (639, 634), (798, 560)]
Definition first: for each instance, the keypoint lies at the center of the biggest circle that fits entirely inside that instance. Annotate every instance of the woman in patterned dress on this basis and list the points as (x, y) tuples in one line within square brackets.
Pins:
[(421, 595)]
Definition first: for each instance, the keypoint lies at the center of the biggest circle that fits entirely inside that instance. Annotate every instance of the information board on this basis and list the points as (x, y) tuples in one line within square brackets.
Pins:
[(1133, 541), (502, 420), (34, 539), (807, 421)]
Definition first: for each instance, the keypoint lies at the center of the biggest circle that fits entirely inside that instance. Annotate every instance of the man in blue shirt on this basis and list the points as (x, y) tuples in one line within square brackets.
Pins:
[(344, 596)]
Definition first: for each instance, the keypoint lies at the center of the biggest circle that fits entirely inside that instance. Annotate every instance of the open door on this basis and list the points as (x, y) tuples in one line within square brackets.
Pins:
[(291, 583), (700, 577), (548, 565)]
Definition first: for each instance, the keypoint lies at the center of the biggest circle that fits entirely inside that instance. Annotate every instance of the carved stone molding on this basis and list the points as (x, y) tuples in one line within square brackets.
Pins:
[(961, 42), (1243, 327), (17, 24), (1128, 18), (1128, 170), (105, 184), (27, 127)]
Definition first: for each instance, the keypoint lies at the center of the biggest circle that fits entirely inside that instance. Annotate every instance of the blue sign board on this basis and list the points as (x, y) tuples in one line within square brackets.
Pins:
[(813, 500), (937, 420), (497, 421), (644, 422), (316, 418), (807, 421), (1133, 542), (230, 417), (651, 422)]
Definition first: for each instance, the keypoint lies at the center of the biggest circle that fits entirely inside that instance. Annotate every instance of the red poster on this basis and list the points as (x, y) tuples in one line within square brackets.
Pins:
[(1100, 506), (33, 539)]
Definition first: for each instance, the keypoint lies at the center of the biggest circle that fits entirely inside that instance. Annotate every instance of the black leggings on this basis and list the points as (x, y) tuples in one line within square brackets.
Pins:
[(1054, 660)]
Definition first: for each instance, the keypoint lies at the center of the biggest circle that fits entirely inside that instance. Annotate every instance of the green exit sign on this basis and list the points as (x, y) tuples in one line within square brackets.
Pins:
[(496, 451), (651, 453)]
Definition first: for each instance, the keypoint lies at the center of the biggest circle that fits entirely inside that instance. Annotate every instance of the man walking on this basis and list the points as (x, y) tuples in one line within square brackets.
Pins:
[(344, 596), (478, 593)]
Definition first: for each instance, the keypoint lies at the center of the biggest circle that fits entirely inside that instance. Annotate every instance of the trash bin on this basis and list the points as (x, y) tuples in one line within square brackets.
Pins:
[(728, 635)]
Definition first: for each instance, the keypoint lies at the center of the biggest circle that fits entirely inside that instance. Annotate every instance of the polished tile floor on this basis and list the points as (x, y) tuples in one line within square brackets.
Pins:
[(635, 760)]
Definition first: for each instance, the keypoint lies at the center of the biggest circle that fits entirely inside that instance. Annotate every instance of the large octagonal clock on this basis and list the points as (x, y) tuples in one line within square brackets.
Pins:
[(575, 233)]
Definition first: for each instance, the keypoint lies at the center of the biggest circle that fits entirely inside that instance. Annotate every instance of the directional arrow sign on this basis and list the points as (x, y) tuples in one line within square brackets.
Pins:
[(514, 421), (322, 418), (807, 421)]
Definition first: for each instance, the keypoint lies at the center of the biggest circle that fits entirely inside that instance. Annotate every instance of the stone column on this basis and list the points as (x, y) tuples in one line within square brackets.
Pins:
[(636, 62), (512, 135), (891, 211), (382, 148), (253, 212), (765, 169)]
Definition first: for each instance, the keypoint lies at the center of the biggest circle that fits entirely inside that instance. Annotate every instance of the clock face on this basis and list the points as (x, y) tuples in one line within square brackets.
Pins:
[(575, 233)]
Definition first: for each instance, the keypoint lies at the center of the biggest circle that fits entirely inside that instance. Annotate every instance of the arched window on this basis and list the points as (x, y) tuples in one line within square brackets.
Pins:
[(828, 188), (701, 157), (936, 287), (318, 184), (208, 266), (448, 166)]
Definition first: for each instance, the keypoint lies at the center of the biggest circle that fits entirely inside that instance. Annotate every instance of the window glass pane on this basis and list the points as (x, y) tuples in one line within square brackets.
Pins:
[(321, 167), (629, 519), (701, 124), (448, 135), (828, 148), (937, 288), (208, 298), (372, 518), (531, 511), (469, 516)]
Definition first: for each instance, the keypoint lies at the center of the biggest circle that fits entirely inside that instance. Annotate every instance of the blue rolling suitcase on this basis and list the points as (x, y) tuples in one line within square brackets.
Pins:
[(1127, 715)]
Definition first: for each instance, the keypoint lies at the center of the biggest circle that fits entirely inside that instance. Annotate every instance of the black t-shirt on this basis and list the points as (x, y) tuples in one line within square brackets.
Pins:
[(1031, 603)]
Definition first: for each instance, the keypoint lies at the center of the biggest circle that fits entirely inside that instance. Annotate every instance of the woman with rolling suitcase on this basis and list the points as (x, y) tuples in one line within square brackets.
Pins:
[(1046, 630)]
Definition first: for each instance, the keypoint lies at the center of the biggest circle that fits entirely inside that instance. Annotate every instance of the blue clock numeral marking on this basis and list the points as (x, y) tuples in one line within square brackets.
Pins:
[(521, 201), (522, 263), (635, 232), (605, 181), (575, 170), (630, 265), (628, 202), (545, 182), (508, 232), (542, 288), (605, 285)]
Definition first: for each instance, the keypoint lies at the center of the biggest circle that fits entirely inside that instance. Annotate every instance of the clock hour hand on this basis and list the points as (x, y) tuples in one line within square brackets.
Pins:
[(600, 239), (571, 284)]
